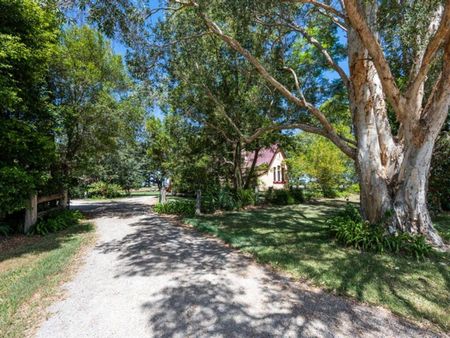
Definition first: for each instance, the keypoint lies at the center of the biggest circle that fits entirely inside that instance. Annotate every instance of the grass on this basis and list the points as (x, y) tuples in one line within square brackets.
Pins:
[(296, 239), (31, 268)]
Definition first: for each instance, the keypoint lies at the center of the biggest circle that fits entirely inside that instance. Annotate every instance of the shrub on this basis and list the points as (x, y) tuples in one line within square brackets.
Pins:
[(297, 194), (106, 190), (178, 207), (350, 229), (56, 221), (219, 198), (284, 197), (5, 229), (246, 197)]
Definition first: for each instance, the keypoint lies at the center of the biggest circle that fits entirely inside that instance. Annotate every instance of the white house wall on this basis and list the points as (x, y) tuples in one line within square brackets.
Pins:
[(266, 181)]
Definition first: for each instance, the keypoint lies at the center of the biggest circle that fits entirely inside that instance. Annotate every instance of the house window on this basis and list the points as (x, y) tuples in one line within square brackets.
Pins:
[(274, 174), (279, 173)]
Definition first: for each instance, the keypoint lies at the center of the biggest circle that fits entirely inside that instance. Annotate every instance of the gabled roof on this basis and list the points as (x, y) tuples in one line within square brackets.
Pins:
[(265, 156)]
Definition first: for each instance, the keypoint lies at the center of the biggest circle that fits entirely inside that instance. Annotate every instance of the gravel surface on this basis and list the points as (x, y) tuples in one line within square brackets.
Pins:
[(149, 278)]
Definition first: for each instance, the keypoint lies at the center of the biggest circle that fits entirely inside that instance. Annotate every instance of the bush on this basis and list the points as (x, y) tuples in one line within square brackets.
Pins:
[(284, 197), (178, 207), (351, 230), (104, 190), (5, 229), (246, 197), (56, 221), (219, 199)]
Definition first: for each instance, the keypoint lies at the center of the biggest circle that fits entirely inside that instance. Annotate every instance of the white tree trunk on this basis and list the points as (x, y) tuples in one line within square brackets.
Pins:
[(393, 173)]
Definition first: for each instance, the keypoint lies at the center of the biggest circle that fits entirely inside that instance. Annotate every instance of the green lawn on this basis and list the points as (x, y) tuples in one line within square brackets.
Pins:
[(295, 239), (31, 268)]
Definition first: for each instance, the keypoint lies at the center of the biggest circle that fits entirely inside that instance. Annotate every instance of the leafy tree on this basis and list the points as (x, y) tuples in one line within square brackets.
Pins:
[(393, 161), (28, 36), (90, 88), (319, 160)]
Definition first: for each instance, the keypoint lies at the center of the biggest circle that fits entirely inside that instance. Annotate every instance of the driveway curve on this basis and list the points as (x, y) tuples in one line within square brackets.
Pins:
[(147, 277)]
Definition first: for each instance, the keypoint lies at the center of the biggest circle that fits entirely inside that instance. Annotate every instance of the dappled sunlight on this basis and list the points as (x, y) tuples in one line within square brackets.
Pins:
[(296, 239), (209, 289)]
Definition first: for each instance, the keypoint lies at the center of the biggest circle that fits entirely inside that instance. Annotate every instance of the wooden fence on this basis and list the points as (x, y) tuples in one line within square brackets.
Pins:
[(31, 212)]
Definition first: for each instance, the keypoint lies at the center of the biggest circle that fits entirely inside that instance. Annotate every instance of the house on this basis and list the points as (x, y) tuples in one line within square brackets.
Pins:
[(270, 167)]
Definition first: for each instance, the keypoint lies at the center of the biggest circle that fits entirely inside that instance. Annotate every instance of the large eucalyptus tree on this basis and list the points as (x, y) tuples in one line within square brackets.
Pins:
[(396, 115)]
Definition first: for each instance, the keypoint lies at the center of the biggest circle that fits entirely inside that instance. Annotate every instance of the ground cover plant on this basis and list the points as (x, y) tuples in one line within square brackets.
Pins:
[(348, 227), (176, 207), (31, 269), (296, 239), (56, 221)]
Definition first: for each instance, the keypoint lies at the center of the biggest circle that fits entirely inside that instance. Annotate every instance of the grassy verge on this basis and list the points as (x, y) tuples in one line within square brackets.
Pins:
[(296, 239), (31, 268)]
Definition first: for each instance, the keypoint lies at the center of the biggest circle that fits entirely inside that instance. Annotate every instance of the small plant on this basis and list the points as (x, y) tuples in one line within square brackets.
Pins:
[(57, 221), (181, 208), (351, 230)]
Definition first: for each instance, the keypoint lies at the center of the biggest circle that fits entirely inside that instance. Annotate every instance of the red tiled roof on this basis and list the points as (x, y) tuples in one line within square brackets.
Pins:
[(265, 156)]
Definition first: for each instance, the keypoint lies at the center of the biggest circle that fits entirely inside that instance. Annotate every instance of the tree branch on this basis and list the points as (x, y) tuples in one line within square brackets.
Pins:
[(318, 4), (440, 36), (333, 64), (234, 44), (438, 103), (371, 43)]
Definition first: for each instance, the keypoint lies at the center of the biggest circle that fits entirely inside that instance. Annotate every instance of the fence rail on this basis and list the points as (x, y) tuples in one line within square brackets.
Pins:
[(31, 212)]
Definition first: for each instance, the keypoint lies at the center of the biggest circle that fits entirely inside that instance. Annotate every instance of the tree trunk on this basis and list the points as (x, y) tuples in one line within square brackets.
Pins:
[(409, 191), (237, 168), (252, 169), (393, 172), (162, 195)]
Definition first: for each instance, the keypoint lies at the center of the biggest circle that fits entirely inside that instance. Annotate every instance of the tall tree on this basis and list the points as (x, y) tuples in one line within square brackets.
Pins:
[(28, 35), (90, 87), (393, 163)]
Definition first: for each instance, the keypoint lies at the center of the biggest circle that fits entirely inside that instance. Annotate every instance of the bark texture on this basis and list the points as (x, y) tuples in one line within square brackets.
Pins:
[(393, 171)]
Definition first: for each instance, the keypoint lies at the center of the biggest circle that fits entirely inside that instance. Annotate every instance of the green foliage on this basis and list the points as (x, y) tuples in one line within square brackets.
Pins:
[(104, 190), (177, 207), (5, 229), (246, 197), (15, 188), (348, 228), (217, 198), (284, 196), (321, 163), (99, 110), (28, 37), (57, 221)]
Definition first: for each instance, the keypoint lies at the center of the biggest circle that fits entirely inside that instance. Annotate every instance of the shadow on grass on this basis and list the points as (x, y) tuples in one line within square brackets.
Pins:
[(20, 245), (296, 239)]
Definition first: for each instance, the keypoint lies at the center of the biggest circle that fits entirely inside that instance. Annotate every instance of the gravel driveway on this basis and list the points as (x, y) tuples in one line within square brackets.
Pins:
[(149, 278)]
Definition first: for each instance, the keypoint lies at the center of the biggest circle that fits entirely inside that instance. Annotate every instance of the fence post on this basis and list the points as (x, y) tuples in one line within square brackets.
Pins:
[(198, 202), (30, 213), (65, 200)]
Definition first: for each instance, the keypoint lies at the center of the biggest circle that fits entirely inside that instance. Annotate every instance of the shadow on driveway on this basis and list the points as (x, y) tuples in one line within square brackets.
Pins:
[(199, 287)]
